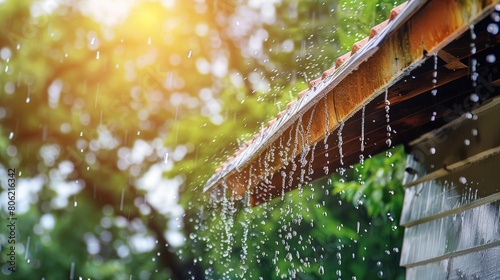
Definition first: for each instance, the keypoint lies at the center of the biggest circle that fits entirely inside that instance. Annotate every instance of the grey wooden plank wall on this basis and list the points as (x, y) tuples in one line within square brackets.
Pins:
[(451, 211)]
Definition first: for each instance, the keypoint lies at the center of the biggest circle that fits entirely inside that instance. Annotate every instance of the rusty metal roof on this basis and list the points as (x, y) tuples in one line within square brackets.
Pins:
[(420, 39)]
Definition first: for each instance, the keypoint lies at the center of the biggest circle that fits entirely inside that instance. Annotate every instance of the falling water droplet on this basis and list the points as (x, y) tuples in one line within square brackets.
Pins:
[(149, 40), (387, 116), (11, 135), (474, 97), (72, 271), (432, 150), (121, 200), (165, 158), (27, 100), (492, 28), (321, 270), (97, 55), (462, 180), (473, 48), (190, 52), (433, 118), (472, 32), (434, 74), (388, 142), (339, 134), (361, 156), (491, 58), (27, 248)]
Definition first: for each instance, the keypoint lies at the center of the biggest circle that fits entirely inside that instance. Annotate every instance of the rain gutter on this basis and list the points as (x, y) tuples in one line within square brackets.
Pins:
[(314, 95)]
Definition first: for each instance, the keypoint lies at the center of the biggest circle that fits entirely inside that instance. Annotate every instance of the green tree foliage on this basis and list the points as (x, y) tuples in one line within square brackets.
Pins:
[(191, 80)]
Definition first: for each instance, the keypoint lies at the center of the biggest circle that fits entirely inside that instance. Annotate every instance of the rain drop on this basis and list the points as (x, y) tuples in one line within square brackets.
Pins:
[(388, 142), (474, 97), (491, 58), (492, 28), (462, 180)]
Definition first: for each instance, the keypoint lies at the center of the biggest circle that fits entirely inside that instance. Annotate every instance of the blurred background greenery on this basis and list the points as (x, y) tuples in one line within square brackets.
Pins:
[(115, 113)]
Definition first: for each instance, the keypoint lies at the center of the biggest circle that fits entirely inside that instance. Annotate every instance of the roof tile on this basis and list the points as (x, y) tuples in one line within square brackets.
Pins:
[(302, 93), (342, 59), (377, 28), (396, 11), (281, 114), (314, 82), (328, 72), (358, 45)]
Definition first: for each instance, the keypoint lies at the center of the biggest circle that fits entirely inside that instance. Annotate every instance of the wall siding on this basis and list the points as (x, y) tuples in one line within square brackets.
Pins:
[(451, 211)]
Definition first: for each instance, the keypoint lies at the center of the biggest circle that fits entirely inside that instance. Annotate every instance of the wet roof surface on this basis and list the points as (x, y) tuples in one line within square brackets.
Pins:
[(359, 86)]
